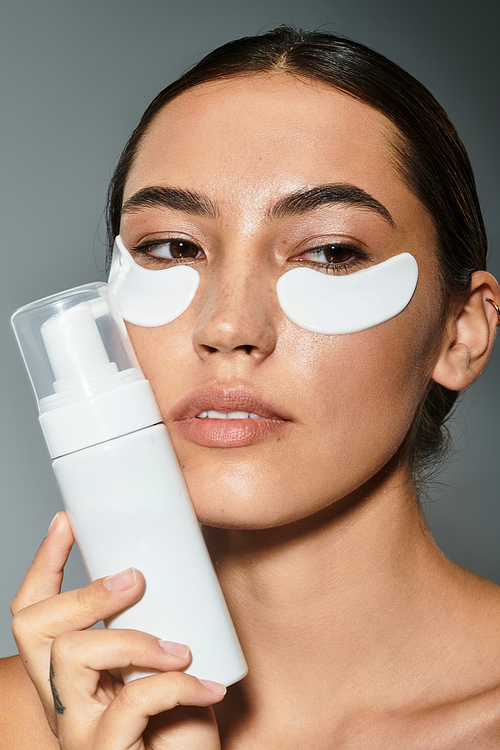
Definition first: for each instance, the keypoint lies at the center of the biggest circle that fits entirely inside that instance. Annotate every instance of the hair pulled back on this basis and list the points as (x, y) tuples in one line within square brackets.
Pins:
[(430, 157)]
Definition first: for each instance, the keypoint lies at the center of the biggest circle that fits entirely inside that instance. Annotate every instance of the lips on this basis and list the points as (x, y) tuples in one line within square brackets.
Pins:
[(227, 417)]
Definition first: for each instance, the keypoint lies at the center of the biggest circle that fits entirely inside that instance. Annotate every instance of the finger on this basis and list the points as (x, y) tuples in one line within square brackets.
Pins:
[(75, 686), (127, 716), (88, 716), (78, 658), (45, 575), (36, 626), (78, 609)]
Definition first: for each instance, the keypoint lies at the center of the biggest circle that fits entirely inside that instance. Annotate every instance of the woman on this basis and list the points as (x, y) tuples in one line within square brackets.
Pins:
[(280, 152)]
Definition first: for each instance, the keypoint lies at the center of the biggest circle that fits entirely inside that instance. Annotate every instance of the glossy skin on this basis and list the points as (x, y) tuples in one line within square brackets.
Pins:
[(349, 401), (358, 632)]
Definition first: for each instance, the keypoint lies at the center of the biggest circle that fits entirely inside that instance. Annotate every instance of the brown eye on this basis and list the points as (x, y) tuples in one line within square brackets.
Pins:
[(156, 253), (333, 258), (179, 249), (336, 253)]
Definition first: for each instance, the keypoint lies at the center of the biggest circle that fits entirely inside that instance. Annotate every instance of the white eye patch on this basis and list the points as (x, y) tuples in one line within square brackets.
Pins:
[(146, 297), (345, 304)]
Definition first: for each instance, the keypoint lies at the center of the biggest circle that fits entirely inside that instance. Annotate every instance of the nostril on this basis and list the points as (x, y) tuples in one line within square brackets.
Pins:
[(241, 328), (248, 349)]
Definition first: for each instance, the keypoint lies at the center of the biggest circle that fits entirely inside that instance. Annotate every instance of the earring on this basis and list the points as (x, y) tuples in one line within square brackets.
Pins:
[(496, 308)]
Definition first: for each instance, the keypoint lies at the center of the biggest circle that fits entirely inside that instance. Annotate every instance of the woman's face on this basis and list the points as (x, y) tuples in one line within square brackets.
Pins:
[(333, 408)]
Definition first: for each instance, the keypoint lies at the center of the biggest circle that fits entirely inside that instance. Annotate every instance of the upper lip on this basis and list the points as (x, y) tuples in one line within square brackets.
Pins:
[(226, 399)]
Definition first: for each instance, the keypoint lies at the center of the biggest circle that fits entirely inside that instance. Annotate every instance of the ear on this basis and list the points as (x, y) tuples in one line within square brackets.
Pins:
[(470, 334)]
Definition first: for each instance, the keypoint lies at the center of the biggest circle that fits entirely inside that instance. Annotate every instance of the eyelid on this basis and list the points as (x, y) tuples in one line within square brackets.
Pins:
[(330, 240), (318, 246), (142, 247), (324, 245), (157, 241)]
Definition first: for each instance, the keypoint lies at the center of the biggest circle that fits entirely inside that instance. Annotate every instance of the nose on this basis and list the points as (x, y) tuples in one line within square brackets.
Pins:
[(238, 315)]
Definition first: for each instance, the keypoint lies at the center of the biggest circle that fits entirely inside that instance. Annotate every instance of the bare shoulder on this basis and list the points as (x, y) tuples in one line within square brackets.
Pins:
[(22, 720), (473, 721), (469, 718), (459, 708), (471, 724), (479, 718)]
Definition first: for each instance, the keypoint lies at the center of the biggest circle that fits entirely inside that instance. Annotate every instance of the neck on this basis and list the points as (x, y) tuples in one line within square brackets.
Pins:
[(330, 600)]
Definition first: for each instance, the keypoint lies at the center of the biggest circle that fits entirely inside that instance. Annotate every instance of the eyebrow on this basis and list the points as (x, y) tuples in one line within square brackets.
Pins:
[(167, 197), (294, 204), (306, 200)]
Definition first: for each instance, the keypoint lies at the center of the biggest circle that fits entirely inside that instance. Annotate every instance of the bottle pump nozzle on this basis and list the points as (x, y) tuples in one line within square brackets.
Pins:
[(87, 381), (74, 346)]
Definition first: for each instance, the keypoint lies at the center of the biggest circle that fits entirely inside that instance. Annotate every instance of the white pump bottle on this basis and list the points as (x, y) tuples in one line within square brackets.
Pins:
[(119, 477)]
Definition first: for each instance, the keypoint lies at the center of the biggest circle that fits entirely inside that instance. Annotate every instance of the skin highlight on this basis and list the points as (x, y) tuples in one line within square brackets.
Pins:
[(236, 305)]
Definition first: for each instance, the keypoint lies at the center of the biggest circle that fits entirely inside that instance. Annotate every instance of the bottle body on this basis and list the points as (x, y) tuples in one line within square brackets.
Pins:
[(129, 507), (119, 476)]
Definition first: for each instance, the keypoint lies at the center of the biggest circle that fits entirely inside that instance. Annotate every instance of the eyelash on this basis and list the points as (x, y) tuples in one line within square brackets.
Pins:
[(146, 251), (330, 266)]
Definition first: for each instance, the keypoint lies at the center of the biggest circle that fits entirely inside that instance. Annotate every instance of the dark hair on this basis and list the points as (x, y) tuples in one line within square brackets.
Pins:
[(429, 154)]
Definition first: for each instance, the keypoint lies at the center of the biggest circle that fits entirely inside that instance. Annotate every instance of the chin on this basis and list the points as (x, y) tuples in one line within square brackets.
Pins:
[(256, 499), (237, 514), (242, 496), (256, 508)]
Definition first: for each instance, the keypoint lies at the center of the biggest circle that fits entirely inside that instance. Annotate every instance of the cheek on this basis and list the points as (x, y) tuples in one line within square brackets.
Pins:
[(365, 388), (353, 398), (160, 352)]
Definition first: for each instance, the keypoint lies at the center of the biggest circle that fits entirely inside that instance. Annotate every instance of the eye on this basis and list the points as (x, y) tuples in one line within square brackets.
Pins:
[(336, 258), (178, 249), (331, 254), (175, 249)]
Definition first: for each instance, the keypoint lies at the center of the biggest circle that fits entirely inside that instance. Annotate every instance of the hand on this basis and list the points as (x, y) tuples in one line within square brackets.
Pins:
[(74, 670)]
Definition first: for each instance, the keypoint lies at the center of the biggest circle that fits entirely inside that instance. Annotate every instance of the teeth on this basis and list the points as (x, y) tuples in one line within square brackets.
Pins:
[(212, 414)]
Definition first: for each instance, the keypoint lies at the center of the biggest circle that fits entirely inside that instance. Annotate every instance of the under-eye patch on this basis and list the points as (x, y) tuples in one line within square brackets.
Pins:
[(324, 303), (149, 297)]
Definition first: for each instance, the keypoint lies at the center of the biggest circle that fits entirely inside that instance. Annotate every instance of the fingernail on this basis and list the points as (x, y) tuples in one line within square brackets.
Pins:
[(214, 687), (53, 524), (121, 581), (176, 649)]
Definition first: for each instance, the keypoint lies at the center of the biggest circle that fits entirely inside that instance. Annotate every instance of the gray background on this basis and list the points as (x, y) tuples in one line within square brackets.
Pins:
[(75, 77)]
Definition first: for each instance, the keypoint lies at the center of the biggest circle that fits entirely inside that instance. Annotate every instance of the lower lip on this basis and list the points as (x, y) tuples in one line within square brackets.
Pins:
[(230, 433)]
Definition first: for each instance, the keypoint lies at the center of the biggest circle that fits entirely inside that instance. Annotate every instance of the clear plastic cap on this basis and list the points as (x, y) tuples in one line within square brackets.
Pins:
[(87, 381)]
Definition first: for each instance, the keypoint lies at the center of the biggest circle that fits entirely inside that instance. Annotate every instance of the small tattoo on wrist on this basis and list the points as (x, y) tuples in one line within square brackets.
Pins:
[(60, 709)]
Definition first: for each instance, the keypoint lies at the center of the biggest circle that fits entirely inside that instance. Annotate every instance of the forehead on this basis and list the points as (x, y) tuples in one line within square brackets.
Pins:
[(260, 126), (247, 141)]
